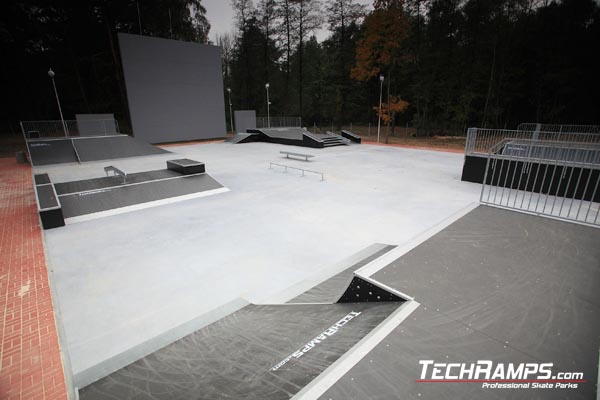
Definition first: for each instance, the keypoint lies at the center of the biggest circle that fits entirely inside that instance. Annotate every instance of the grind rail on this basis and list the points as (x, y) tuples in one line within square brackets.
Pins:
[(296, 168)]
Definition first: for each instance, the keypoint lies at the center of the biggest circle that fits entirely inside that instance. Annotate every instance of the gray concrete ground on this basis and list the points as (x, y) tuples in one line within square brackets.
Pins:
[(125, 279)]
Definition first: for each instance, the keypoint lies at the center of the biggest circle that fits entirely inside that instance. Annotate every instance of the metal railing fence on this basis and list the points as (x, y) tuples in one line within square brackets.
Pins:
[(479, 140), (68, 128), (559, 180), (278, 122), (533, 126)]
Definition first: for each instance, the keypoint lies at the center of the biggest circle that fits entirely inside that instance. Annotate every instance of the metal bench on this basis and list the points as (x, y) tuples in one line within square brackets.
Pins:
[(289, 153), (116, 171)]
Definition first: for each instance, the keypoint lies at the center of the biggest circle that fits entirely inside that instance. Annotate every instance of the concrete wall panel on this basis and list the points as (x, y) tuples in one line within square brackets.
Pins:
[(174, 89)]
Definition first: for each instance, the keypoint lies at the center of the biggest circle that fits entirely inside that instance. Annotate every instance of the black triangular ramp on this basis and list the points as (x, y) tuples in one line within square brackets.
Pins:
[(361, 290)]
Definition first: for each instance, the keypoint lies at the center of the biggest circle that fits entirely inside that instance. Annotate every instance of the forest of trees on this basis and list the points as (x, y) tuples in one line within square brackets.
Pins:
[(448, 64), (78, 40)]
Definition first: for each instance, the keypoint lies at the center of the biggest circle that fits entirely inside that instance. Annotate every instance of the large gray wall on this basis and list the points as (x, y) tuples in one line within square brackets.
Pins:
[(174, 89)]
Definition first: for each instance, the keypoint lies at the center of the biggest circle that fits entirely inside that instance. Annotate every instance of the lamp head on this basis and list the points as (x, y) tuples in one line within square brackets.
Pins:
[(51, 73), (381, 78), (267, 85)]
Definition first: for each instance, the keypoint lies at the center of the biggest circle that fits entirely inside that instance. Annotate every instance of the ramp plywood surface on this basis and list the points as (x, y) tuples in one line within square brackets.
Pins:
[(79, 204), (112, 147), (47, 152), (244, 355)]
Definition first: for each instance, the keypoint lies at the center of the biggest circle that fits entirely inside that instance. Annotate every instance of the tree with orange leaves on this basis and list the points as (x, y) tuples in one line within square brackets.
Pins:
[(395, 105), (379, 50)]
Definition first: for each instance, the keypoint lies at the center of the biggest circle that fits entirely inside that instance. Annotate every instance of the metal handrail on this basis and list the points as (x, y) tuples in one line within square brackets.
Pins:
[(116, 171), (550, 152), (535, 126), (278, 122)]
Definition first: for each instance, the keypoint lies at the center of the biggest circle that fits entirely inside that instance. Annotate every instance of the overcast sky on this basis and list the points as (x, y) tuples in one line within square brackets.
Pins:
[(220, 15)]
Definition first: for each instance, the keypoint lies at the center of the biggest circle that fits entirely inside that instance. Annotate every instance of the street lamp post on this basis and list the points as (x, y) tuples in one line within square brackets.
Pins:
[(230, 114), (381, 78), (268, 108), (51, 75)]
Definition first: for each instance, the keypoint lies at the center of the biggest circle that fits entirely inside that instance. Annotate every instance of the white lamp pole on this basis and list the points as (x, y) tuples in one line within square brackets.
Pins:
[(268, 104), (381, 78), (230, 114), (51, 75)]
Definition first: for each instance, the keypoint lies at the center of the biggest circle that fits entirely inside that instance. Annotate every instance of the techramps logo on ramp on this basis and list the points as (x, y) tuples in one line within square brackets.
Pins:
[(500, 375), (332, 330)]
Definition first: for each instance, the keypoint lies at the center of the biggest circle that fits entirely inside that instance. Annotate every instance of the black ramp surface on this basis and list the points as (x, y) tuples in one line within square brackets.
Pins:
[(284, 133), (362, 290), (47, 152), (185, 162), (246, 355), (495, 285), (41, 179), (46, 196), (111, 181), (112, 147), (78, 204)]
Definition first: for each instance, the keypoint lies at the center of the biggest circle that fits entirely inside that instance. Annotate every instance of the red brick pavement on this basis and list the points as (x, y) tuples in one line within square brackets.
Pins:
[(30, 359)]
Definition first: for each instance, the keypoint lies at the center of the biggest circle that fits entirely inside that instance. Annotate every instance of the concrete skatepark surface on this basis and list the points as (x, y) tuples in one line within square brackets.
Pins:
[(483, 294), (272, 233), (150, 271)]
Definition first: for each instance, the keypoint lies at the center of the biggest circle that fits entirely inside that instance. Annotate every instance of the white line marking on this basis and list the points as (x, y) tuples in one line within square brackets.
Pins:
[(385, 287), (342, 365)]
